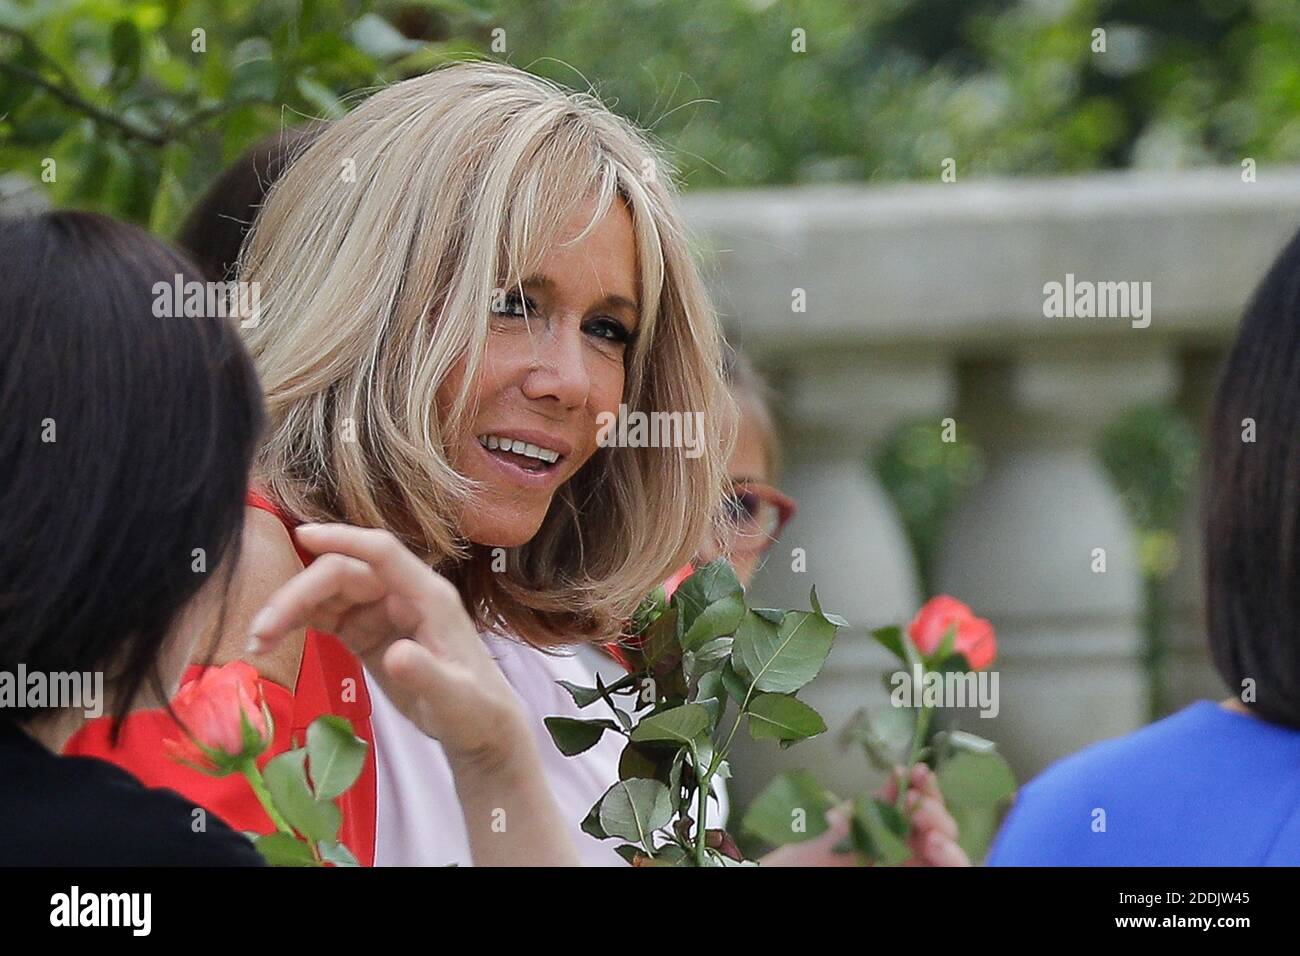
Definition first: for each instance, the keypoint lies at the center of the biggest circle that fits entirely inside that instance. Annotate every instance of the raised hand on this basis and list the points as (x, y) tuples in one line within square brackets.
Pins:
[(410, 629)]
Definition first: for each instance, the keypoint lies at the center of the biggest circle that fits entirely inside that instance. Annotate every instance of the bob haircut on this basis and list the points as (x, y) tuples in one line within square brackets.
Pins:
[(125, 447), (379, 253), (1252, 531)]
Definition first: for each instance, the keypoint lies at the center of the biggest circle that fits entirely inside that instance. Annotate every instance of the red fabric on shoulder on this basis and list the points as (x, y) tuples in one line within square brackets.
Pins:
[(140, 752), (330, 681)]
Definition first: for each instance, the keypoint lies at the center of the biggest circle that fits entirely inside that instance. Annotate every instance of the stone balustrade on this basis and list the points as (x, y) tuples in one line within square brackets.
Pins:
[(926, 302)]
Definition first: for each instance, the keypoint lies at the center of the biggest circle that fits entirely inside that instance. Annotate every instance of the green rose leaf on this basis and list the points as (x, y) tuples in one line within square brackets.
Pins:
[(782, 717), (892, 640), (648, 611), (582, 696), (679, 725), (947, 644), (591, 822), (647, 761), (737, 687), (281, 849), (790, 809), (882, 829), (573, 735), (719, 619), (629, 852), (672, 855), (660, 648), (885, 735), (337, 853), (782, 659), (286, 779), (976, 779), (714, 582), (634, 809), (336, 755), (976, 828), (817, 609)]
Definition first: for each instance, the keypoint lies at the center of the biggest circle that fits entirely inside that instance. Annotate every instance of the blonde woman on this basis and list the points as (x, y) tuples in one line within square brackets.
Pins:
[(455, 281)]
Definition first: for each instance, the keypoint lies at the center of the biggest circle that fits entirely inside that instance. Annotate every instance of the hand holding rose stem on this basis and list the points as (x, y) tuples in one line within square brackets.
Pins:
[(407, 625)]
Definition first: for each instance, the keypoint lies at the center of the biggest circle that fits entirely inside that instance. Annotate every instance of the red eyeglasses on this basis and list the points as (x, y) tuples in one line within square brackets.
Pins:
[(758, 513)]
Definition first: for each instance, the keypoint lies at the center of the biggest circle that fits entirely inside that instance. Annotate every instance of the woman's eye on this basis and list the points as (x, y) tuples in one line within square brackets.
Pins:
[(610, 329)]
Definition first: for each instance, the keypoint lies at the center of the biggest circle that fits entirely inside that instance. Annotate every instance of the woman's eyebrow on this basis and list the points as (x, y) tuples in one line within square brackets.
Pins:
[(614, 300)]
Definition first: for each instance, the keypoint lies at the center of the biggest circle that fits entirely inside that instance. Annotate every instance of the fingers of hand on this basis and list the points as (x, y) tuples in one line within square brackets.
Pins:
[(930, 815), (400, 570), (925, 780), (315, 597), (934, 849), (889, 789)]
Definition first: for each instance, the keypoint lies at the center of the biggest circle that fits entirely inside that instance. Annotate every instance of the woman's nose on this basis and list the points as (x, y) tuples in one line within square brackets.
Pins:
[(559, 369)]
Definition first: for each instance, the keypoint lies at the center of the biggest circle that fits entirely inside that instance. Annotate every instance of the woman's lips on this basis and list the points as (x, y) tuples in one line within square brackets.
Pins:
[(540, 478)]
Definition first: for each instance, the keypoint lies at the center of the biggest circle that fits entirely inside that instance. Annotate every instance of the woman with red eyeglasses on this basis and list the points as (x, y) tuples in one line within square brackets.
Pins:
[(759, 513)]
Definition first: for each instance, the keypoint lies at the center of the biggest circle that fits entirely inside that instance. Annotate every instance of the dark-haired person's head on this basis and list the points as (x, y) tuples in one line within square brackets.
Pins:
[(125, 446), (216, 227), (1252, 534)]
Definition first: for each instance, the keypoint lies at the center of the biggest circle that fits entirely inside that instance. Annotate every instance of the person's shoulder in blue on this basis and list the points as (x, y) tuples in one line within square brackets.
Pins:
[(1206, 786)]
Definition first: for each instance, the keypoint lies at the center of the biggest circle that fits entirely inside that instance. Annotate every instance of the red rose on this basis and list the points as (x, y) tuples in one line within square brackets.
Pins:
[(975, 638), (226, 719)]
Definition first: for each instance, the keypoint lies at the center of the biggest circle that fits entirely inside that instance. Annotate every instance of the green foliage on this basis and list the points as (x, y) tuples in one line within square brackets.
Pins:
[(926, 477), (693, 664), (1150, 454), (139, 120), (140, 104), (975, 780)]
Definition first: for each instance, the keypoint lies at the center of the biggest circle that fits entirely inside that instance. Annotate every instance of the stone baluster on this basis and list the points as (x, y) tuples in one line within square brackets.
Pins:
[(845, 538), (1042, 546)]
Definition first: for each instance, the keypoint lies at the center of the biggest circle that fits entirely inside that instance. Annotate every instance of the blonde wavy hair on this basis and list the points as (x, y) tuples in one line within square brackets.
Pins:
[(378, 253)]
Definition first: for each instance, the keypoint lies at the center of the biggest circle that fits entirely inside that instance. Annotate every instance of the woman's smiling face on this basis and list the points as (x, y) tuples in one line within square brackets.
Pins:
[(554, 361)]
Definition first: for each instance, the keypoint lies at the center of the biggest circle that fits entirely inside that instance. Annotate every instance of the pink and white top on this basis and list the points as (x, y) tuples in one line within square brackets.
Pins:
[(418, 818)]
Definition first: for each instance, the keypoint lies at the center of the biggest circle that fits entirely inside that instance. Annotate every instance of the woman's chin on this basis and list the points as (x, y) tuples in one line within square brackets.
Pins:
[(506, 534)]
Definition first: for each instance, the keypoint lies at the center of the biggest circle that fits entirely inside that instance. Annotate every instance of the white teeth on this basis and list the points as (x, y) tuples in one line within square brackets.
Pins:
[(519, 448)]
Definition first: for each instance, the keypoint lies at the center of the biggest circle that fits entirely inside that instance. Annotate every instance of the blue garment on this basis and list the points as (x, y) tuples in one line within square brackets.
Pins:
[(1203, 787)]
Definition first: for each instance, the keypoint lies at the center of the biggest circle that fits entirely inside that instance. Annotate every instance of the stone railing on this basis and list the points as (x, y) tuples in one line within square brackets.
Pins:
[(927, 302)]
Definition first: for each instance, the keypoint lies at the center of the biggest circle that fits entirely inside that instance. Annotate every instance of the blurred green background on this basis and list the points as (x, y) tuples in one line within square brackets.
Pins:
[(140, 104)]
